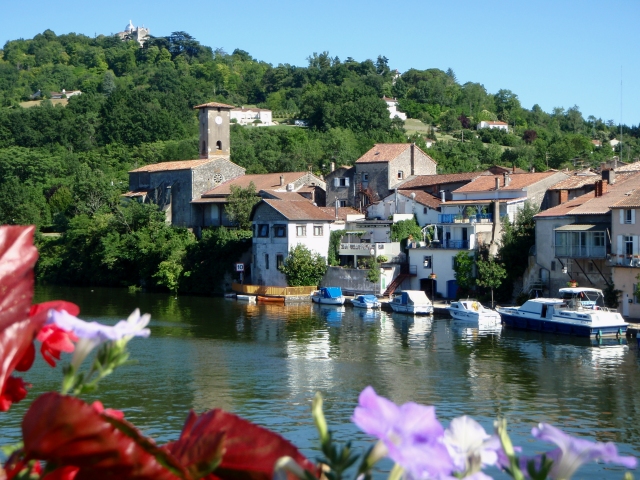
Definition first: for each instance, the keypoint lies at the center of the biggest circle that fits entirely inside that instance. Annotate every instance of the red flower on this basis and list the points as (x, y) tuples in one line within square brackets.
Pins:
[(67, 432), (14, 391), (64, 473), (110, 412), (17, 329), (54, 341)]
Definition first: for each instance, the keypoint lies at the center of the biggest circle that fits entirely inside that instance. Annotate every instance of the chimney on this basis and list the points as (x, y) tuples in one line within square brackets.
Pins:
[(601, 187), (333, 166), (609, 175), (533, 169), (282, 180), (514, 169), (413, 158), (497, 183), (442, 196), (603, 165), (564, 196)]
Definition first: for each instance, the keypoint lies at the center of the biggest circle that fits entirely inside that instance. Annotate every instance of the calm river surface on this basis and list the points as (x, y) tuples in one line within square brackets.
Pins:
[(266, 362)]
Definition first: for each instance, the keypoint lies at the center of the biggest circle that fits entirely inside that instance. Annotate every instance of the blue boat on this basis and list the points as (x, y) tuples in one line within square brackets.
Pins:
[(579, 312), (328, 296), (365, 301)]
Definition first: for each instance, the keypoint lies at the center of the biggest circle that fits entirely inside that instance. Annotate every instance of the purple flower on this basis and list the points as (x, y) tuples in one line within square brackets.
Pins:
[(92, 334), (573, 452), (469, 446), (411, 433)]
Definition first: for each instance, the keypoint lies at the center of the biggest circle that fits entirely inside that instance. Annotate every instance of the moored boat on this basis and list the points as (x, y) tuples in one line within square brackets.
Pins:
[(263, 299), (365, 301), (472, 311), (328, 296), (246, 298), (579, 311), (414, 302)]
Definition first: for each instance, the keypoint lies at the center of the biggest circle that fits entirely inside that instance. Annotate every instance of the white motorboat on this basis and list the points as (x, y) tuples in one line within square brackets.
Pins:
[(579, 311), (473, 311), (365, 301), (414, 302), (328, 296)]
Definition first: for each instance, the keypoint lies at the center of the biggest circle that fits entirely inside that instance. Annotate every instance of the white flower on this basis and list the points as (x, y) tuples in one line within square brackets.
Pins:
[(469, 446)]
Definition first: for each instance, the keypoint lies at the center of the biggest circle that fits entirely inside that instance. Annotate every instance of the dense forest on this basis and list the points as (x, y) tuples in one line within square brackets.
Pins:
[(63, 166)]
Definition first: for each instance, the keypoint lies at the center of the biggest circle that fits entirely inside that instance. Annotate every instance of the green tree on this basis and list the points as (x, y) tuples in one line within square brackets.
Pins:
[(303, 267), (490, 275), (463, 271), (402, 230), (241, 202)]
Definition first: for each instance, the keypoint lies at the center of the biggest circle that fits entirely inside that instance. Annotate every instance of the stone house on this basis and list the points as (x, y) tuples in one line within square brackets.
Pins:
[(280, 225), (377, 172), (574, 239), (575, 186), (424, 206), (290, 186)]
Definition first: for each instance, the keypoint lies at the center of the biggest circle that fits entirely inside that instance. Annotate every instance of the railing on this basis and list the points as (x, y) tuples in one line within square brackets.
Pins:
[(580, 251), (272, 291), (457, 218), (455, 244)]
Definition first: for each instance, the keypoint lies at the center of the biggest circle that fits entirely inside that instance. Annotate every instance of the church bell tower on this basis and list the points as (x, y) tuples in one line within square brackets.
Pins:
[(215, 120)]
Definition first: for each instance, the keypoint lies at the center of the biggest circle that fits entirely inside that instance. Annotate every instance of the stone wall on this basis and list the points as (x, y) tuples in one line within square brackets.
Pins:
[(378, 178), (334, 193), (536, 194), (351, 280)]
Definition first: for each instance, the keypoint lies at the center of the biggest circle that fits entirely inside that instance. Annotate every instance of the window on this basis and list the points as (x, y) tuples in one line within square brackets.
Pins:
[(317, 230), (553, 265), (266, 261), (628, 216), (628, 245), (341, 182), (400, 174), (341, 203), (598, 239), (301, 230), (424, 210), (280, 231), (279, 260), (365, 177), (263, 230)]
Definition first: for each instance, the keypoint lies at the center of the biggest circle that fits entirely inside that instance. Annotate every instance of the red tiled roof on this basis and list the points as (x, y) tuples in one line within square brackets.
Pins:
[(262, 181), (630, 167), (214, 105), (589, 204), (299, 210), (179, 165), (289, 196), (386, 152), (487, 183), (494, 122), (423, 198), (420, 181), (631, 200), (342, 212), (576, 181)]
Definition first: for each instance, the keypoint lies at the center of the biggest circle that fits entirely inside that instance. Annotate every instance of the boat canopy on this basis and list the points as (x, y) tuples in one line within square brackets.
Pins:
[(575, 290), (331, 292), (415, 297), (367, 298)]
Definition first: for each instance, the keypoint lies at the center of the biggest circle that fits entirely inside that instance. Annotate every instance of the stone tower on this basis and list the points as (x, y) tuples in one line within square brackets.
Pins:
[(214, 130)]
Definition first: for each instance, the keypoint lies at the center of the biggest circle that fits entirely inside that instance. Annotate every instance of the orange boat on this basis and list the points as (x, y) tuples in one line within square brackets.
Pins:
[(270, 299)]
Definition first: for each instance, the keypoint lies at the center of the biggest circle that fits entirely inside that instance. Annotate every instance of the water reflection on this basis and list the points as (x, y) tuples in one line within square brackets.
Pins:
[(265, 362)]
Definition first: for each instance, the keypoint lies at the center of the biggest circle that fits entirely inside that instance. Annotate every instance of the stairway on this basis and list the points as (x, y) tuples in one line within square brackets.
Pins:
[(395, 284)]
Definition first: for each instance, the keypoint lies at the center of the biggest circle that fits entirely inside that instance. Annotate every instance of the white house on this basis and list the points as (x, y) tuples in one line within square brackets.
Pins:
[(392, 106), (423, 205), (280, 225), (247, 116), (493, 124)]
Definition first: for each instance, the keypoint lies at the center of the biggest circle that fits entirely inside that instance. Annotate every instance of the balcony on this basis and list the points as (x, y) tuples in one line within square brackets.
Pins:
[(580, 251), (458, 218)]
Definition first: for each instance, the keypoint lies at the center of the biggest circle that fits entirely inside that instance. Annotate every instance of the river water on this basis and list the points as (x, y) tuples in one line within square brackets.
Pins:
[(266, 362)]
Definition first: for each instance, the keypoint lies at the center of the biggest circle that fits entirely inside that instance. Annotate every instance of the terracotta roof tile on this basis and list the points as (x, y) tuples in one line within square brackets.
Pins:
[(487, 183), (262, 181), (342, 212), (630, 200), (214, 105), (420, 181), (386, 152), (299, 210), (589, 204), (630, 167), (423, 198), (179, 165), (576, 181), (289, 196)]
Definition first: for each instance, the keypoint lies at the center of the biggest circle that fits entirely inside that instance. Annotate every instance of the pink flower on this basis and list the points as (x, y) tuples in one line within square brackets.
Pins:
[(14, 390)]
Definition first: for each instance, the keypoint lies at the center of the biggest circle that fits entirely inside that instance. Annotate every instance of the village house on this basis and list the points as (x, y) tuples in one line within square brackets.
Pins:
[(573, 239), (291, 186), (377, 173), (421, 205), (392, 106), (173, 186), (280, 225), (260, 117), (575, 186), (625, 255), (437, 185), (492, 124)]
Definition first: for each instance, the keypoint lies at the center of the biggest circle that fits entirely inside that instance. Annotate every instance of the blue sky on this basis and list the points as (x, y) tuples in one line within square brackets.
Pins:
[(553, 53)]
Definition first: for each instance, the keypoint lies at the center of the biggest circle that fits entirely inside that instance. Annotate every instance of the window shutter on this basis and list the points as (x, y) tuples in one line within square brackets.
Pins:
[(620, 245), (622, 216), (635, 244), (633, 216), (346, 182), (336, 183)]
